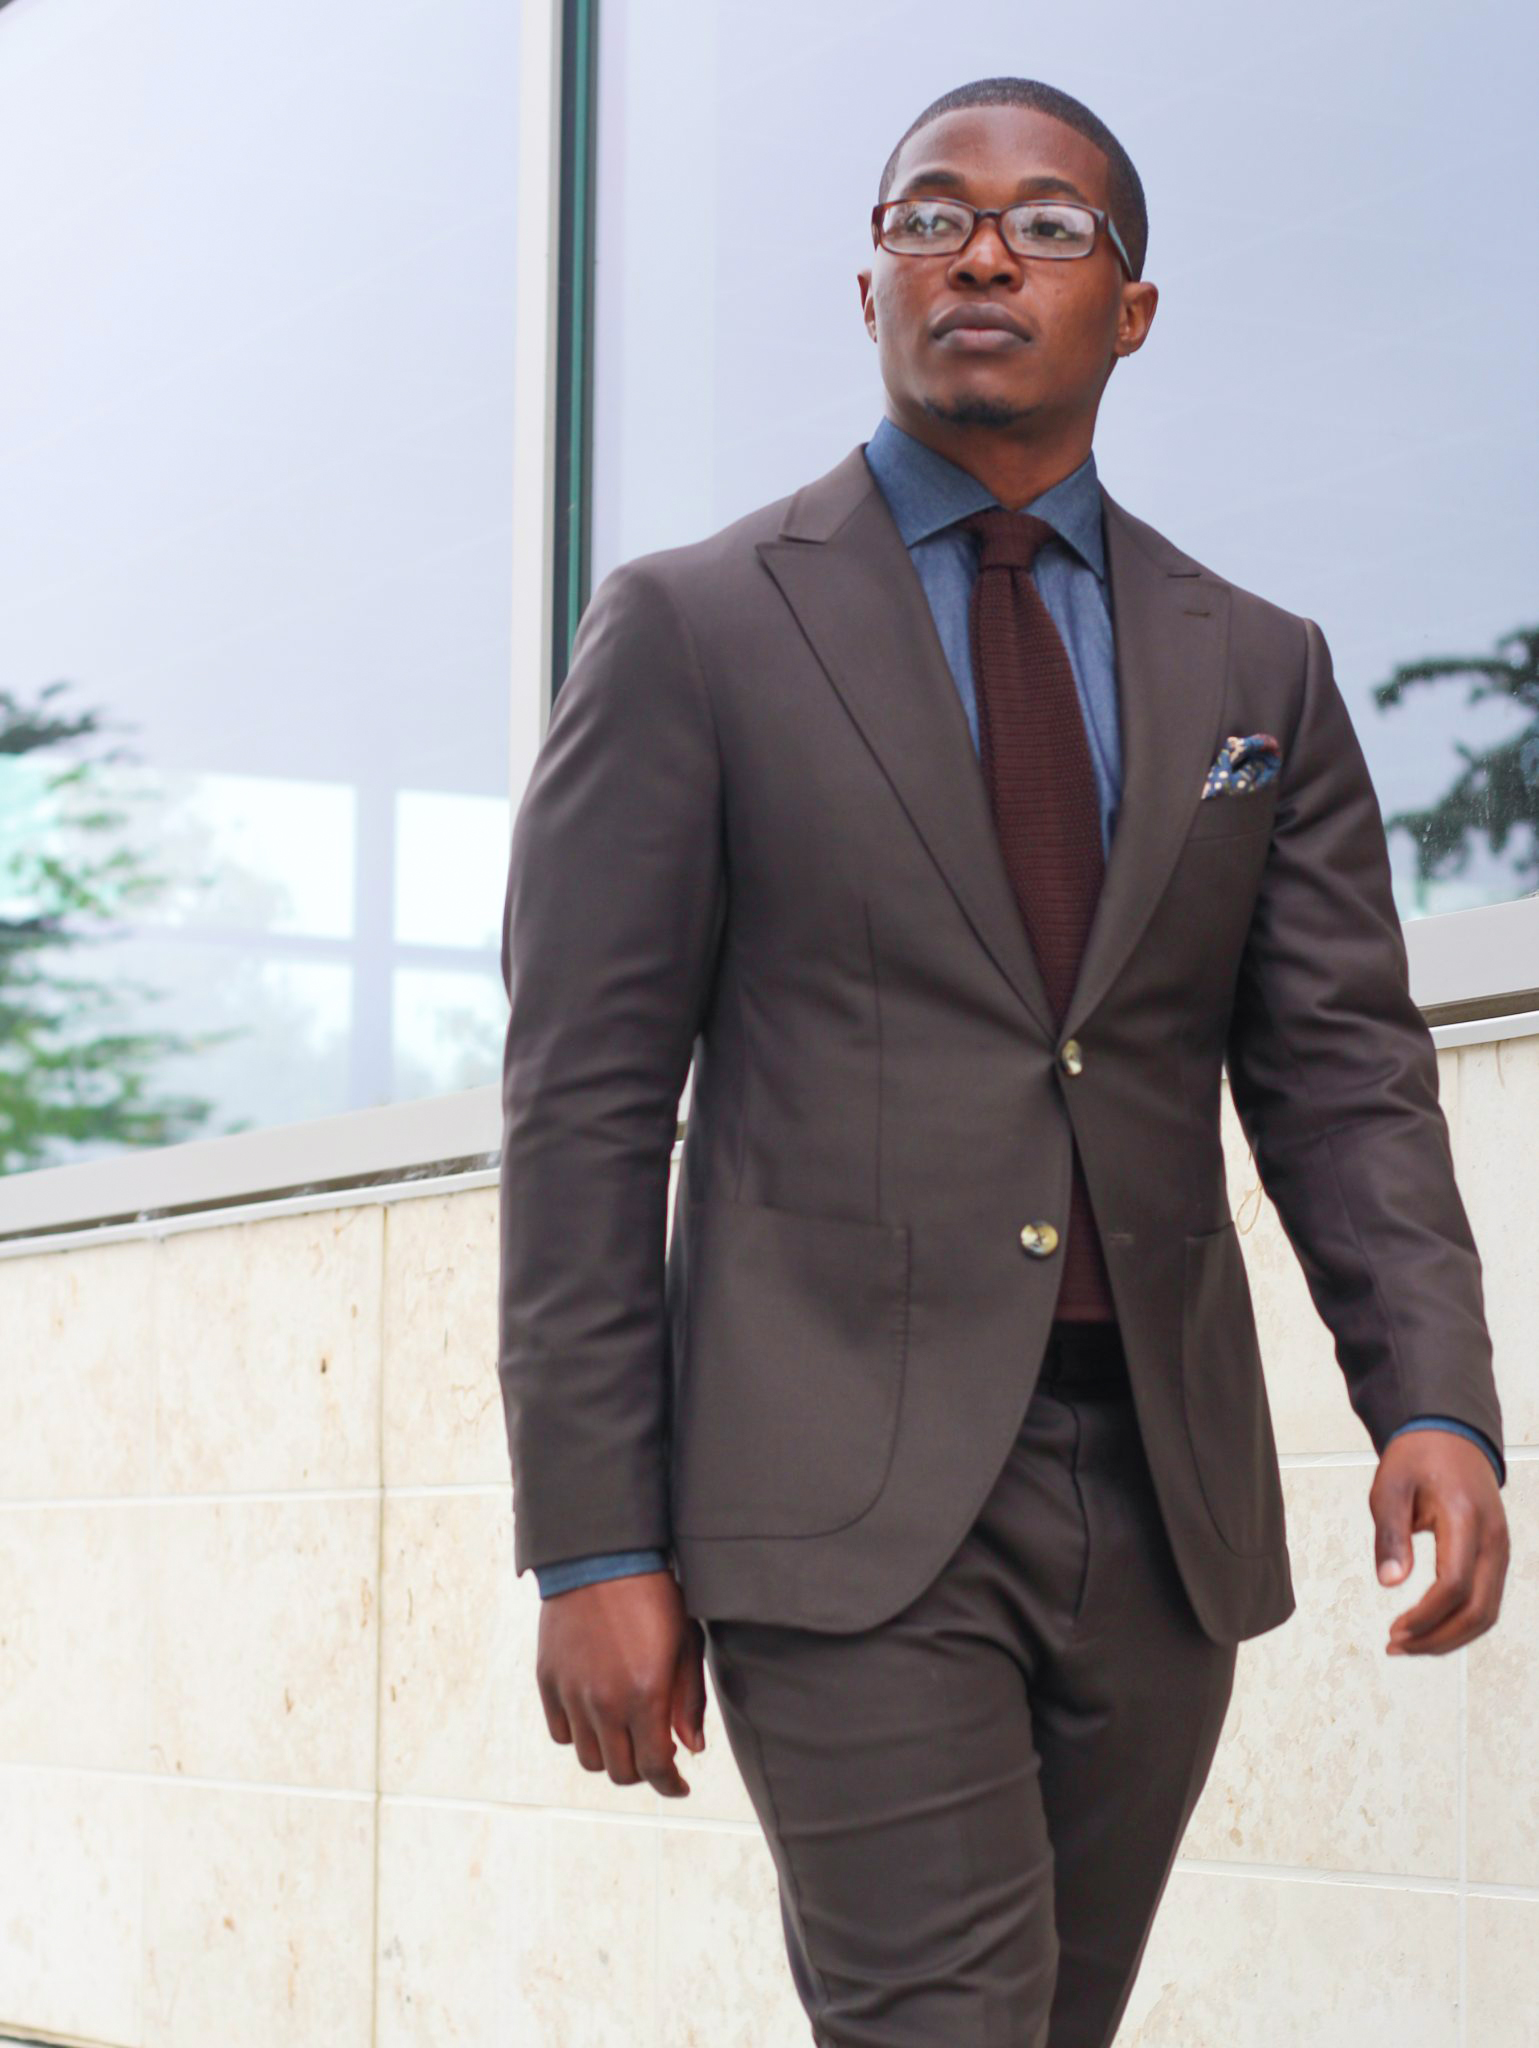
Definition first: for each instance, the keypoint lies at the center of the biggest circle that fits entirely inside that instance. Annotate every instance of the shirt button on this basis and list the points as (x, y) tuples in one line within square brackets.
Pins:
[(1071, 1059), (1039, 1239)]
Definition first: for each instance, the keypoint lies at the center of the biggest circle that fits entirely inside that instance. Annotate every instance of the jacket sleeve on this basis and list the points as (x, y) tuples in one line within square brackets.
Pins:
[(1333, 1074), (615, 903)]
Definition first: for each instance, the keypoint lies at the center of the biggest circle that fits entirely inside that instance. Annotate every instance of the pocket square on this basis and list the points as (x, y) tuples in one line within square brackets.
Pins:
[(1245, 761)]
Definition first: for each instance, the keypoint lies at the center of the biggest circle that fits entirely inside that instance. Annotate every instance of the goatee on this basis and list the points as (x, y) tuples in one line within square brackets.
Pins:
[(977, 411)]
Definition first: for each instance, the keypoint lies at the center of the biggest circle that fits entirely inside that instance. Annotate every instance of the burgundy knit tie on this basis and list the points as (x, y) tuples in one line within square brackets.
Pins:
[(1036, 765)]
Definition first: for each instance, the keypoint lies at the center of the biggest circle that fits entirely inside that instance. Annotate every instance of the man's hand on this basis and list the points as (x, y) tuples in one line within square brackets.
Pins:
[(620, 1665), (1435, 1479)]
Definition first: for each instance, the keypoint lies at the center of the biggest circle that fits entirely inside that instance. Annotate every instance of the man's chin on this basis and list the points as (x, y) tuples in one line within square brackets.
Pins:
[(977, 409)]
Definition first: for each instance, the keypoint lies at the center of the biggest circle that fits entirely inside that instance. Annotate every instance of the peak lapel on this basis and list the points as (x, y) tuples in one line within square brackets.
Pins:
[(1171, 625), (842, 567)]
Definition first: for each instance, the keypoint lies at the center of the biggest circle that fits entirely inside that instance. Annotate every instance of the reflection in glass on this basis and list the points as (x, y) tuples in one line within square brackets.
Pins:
[(255, 506), (448, 1029), (445, 847), (80, 1073), (1478, 841)]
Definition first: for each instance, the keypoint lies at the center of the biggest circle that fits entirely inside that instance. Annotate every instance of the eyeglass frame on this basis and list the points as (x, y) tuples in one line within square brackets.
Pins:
[(1099, 214)]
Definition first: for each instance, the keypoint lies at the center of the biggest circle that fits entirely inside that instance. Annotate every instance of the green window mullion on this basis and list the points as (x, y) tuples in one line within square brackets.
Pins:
[(574, 328)]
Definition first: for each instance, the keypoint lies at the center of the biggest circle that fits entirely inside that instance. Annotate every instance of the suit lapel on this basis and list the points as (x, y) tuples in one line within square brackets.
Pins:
[(841, 565), (1171, 627), (844, 571)]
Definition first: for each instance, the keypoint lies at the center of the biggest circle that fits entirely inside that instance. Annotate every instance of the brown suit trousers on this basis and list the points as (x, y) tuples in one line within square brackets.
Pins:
[(974, 1807)]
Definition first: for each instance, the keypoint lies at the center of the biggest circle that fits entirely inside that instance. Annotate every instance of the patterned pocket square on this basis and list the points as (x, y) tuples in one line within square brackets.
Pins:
[(1245, 761)]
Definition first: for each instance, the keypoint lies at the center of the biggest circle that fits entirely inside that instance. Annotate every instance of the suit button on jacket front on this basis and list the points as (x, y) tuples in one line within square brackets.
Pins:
[(1071, 1059), (1039, 1239)]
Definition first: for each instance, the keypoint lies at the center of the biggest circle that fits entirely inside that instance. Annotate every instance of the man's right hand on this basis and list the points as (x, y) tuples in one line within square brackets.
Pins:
[(620, 1666)]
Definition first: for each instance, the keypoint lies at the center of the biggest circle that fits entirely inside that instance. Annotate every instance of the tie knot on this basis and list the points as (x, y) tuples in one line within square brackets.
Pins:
[(1007, 539)]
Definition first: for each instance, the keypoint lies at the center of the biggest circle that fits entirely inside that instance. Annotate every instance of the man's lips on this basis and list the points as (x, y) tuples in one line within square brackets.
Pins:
[(985, 340), (986, 327)]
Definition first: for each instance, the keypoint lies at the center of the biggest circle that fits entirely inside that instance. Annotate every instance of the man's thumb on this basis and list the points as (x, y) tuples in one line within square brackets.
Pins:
[(688, 1703)]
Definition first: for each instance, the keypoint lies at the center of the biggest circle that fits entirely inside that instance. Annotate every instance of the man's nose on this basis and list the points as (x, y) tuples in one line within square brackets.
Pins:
[(987, 258)]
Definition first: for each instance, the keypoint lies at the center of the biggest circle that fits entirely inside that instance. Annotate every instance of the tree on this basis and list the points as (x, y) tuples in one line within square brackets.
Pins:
[(66, 1076), (1498, 789)]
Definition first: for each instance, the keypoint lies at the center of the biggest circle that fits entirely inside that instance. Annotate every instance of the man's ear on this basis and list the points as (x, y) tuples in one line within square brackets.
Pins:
[(867, 302), (1136, 316)]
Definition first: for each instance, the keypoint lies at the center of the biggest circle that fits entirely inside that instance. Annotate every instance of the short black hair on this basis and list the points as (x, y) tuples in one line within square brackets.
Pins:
[(1125, 192)]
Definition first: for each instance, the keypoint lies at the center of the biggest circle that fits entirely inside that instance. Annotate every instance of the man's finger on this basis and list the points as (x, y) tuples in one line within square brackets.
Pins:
[(555, 1714), (653, 1741), (590, 1752), (1470, 1620), (1391, 1502), (1457, 1532), (615, 1741)]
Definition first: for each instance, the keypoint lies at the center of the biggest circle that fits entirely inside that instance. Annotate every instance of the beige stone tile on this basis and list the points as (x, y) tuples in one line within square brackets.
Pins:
[(447, 1892), (723, 1979), (1503, 1945), (1497, 1137), (443, 1416), (77, 1380), (1253, 1962), (1305, 1387), (499, 1927), (265, 1640), (258, 1919), (1334, 1755), (74, 1635), (71, 1880), (267, 1345), (460, 1711), (1504, 1707)]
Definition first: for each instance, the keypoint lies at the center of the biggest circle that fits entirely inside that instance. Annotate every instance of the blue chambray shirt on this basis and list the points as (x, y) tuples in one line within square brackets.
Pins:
[(926, 495)]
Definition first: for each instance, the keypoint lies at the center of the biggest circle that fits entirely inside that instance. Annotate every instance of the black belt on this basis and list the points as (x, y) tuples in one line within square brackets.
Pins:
[(1085, 1358)]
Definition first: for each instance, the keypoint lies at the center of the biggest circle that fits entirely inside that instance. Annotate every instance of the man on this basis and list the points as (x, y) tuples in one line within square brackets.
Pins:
[(962, 828)]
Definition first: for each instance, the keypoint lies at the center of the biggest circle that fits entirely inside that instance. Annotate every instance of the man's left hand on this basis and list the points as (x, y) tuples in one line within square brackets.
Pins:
[(1435, 1479)]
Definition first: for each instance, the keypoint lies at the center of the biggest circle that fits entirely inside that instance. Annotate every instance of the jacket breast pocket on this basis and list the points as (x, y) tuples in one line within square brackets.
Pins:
[(1228, 816), (786, 1398), (1223, 1393)]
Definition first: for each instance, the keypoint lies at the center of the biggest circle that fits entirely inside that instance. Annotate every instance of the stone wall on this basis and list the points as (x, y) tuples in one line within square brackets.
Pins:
[(273, 1768)]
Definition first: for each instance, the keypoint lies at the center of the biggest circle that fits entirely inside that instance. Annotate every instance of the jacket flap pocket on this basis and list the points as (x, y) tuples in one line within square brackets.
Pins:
[(795, 1337)]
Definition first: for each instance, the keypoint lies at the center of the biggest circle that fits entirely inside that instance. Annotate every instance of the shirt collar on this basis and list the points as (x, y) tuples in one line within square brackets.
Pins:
[(926, 492)]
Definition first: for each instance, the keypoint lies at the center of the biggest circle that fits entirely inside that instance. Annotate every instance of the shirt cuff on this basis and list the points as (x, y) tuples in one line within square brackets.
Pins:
[(1476, 1436), (587, 1571)]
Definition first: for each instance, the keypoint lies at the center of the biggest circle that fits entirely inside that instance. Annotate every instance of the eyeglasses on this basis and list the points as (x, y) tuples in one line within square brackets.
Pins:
[(940, 227)]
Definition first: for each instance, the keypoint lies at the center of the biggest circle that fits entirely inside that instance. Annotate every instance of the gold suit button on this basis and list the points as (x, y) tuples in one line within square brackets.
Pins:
[(1039, 1239), (1071, 1059)]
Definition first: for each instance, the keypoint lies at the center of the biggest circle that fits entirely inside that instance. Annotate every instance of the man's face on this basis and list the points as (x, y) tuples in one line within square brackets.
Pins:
[(1078, 316)]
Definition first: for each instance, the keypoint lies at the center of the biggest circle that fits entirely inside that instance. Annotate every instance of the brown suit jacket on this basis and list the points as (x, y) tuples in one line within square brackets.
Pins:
[(756, 835)]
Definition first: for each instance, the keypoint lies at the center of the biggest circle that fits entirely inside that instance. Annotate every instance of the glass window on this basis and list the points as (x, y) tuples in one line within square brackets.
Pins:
[(256, 427), (1336, 405)]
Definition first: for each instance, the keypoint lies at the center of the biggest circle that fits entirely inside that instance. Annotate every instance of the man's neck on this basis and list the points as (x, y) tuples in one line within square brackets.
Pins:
[(1014, 468)]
